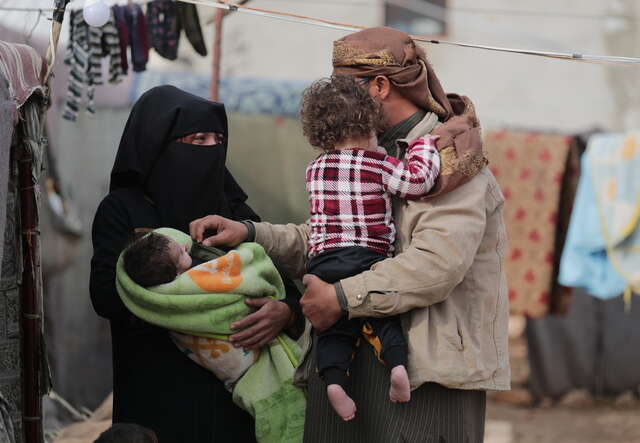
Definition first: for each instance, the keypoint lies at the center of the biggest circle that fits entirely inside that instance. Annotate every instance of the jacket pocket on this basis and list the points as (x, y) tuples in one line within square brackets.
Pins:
[(454, 335)]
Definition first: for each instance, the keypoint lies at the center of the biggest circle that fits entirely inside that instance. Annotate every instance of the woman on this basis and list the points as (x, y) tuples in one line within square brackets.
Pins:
[(169, 170)]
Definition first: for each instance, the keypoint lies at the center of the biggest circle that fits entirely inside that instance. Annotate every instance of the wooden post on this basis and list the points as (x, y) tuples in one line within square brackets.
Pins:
[(217, 50), (217, 55), (30, 300)]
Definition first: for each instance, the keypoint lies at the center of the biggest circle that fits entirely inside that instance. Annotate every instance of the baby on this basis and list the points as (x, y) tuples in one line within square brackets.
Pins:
[(156, 259), (350, 186)]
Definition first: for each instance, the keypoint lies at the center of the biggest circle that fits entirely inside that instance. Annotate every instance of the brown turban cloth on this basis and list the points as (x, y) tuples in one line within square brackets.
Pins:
[(392, 53)]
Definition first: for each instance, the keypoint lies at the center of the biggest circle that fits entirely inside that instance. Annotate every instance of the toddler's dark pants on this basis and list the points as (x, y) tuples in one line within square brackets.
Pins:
[(337, 345)]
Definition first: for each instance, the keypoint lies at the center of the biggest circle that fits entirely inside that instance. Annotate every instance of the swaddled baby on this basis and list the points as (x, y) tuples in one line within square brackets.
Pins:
[(157, 259), (158, 282)]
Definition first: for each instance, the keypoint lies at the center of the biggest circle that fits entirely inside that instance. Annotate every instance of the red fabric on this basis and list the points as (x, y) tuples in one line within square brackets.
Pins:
[(350, 194), (23, 68)]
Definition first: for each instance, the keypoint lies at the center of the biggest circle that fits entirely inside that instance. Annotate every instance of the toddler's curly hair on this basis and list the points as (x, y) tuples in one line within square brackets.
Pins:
[(336, 109)]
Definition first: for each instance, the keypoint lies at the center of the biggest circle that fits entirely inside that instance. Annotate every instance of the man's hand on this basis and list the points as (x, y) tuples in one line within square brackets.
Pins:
[(320, 303), (227, 232), (261, 326)]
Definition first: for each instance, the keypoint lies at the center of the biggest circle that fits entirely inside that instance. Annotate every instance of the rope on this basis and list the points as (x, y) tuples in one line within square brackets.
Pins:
[(297, 18)]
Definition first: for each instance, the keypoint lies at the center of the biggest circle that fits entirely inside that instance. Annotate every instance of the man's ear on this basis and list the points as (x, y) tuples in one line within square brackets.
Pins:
[(382, 86)]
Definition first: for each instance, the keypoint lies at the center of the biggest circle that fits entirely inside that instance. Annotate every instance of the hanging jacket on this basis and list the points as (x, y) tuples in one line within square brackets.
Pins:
[(164, 29), (88, 45), (120, 21)]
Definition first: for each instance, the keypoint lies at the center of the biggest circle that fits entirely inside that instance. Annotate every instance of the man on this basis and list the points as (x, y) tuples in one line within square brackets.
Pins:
[(447, 279)]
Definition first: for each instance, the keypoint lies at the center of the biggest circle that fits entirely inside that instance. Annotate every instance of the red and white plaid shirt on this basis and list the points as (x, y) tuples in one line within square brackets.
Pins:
[(350, 194)]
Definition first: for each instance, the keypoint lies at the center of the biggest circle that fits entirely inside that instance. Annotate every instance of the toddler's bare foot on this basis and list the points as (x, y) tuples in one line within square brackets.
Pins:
[(341, 402), (400, 389)]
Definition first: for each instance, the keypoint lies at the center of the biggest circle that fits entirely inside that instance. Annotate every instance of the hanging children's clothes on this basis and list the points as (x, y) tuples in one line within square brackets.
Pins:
[(88, 45), (190, 21), (538, 176), (120, 20), (602, 253), (167, 18), (138, 37), (162, 16), (134, 33)]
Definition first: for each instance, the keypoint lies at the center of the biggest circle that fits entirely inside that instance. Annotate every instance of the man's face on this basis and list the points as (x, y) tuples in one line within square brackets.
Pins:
[(365, 82), (368, 83)]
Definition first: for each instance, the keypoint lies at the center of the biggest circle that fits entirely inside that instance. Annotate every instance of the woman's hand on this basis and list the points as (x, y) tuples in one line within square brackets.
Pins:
[(262, 326), (227, 232)]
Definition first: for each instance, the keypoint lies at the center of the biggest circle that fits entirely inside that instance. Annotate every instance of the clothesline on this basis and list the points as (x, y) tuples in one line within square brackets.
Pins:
[(314, 21), (297, 18), (418, 6)]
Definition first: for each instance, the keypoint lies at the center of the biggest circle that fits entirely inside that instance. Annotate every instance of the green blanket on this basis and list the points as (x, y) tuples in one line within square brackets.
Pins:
[(202, 303)]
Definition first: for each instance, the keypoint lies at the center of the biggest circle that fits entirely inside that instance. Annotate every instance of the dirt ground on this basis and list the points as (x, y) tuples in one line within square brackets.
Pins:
[(599, 424), (514, 417)]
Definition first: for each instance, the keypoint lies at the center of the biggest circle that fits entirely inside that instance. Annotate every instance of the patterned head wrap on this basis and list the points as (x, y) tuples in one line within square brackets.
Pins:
[(393, 54)]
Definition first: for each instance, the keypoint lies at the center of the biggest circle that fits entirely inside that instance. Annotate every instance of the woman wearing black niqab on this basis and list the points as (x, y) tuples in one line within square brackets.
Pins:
[(158, 180)]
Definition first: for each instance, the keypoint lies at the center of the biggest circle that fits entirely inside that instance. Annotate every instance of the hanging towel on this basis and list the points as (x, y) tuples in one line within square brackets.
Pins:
[(199, 306), (88, 45), (164, 27), (603, 248), (538, 175), (190, 22)]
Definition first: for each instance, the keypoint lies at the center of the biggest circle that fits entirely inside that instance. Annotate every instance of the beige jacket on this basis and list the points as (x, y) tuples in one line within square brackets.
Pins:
[(447, 281)]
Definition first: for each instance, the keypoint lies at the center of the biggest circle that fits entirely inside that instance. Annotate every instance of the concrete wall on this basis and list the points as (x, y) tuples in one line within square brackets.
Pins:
[(255, 46), (547, 94)]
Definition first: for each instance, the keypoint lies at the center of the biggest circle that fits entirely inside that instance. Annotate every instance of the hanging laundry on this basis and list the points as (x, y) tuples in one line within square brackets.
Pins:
[(88, 45), (134, 33), (602, 253), (166, 19), (162, 16), (538, 176), (138, 37), (190, 22), (120, 20)]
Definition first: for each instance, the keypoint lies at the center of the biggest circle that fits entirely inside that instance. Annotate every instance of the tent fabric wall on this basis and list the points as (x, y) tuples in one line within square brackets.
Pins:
[(10, 271), (595, 347)]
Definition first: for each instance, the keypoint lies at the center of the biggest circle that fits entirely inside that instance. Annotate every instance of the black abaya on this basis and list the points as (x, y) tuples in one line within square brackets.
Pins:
[(155, 385)]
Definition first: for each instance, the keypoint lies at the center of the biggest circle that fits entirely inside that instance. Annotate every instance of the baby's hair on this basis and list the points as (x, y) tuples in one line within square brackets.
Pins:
[(127, 433), (336, 109), (148, 261)]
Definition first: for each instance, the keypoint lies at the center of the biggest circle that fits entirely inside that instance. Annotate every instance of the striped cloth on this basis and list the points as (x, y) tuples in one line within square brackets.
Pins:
[(24, 70), (435, 414), (88, 45), (350, 194)]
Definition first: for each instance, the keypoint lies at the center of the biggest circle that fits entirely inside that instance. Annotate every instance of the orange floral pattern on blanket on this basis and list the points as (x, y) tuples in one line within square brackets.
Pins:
[(531, 170), (220, 275)]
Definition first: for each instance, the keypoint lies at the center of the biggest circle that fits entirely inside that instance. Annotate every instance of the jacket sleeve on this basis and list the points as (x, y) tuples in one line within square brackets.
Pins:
[(416, 174), (110, 233), (286, 245), (443, 245)]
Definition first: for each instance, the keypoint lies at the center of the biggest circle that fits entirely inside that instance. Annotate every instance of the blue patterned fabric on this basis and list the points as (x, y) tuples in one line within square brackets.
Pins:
[(584, 260), (243, 95)]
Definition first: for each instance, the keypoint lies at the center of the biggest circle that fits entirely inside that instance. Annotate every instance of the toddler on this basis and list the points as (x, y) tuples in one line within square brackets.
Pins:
[(350, 187)]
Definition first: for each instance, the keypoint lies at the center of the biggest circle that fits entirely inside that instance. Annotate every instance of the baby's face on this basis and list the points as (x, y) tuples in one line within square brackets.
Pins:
[(180, 255)]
